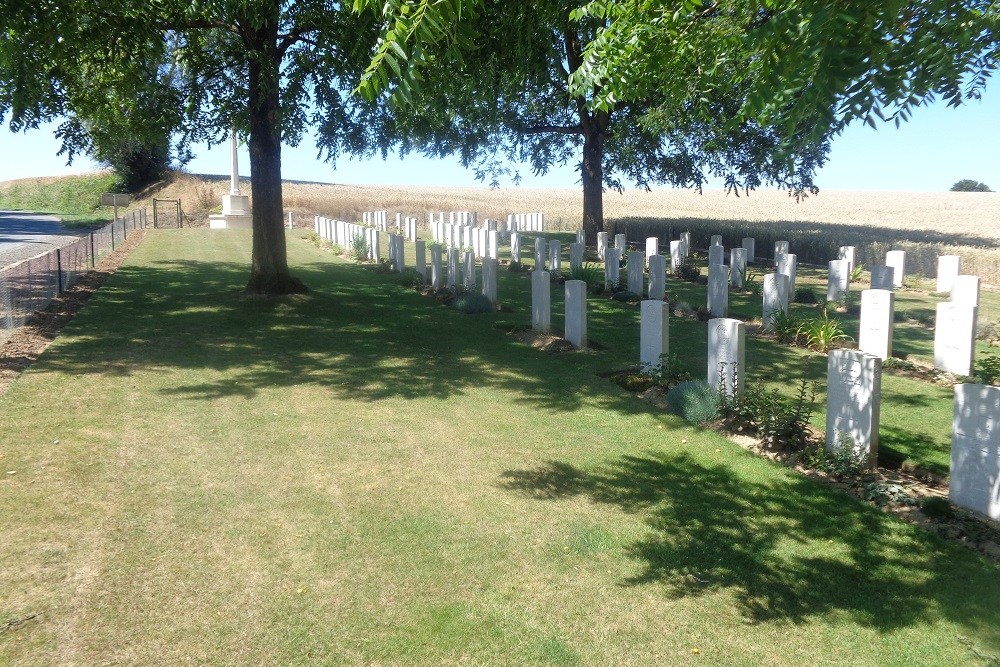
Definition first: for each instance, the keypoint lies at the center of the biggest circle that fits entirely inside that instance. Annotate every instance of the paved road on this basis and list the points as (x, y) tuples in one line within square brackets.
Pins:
[(24, 235)]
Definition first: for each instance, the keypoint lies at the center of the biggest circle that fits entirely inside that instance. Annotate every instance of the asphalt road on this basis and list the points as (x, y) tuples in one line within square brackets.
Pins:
[(24, 235)]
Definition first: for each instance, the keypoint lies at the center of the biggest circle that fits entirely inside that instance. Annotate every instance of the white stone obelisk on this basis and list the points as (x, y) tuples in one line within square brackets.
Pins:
[(235, 207)]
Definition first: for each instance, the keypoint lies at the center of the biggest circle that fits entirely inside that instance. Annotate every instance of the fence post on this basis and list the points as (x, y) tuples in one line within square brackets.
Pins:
[(59, 276), (93, 252), (124, 229), (112, 236), (180, 216)]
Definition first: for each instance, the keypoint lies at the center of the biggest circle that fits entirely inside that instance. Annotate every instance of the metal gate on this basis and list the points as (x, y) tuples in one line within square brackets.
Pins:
[(167, 214)]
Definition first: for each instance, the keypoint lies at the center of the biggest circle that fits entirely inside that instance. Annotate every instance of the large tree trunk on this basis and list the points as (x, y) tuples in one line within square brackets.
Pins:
[(269, 261), (594, 129)]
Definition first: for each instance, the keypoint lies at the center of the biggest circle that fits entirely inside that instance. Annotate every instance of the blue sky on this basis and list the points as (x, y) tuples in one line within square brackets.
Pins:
[(937, 147)]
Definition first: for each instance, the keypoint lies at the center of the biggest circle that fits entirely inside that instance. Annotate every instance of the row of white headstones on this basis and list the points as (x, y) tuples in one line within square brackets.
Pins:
[(853, 376)]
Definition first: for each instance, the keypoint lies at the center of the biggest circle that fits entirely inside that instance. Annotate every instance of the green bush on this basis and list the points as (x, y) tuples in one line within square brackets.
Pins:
[(805, 295), (473, 304), (627, 296), (786, 327), (988, 368), (688, 271), (821, 333), (937, 507), (670, 372), (359, 248), (592, 274), (694, 400)]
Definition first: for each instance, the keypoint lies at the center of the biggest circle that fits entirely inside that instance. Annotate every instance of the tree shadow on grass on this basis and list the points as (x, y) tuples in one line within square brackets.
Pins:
[(787, 549), (358, 333)]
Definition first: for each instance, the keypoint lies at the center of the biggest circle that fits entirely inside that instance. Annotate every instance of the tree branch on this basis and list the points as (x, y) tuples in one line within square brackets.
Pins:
[(558, 129), (295, 35)]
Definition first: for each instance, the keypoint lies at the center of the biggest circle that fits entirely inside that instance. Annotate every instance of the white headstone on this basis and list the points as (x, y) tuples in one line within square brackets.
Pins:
[(854, 387), (490, 279), (453, 267), (955, 338), (716, 240), (788, 265), (654, 334), (737, 267), (718, 289), (612, 268), (676, 256), (620, 242), (437, 271), (686, 240), (780, 248), (602, 244), (493, 243), (775, 297), (575, 256), (965, 290), (726, 354), (515, 247), (716, 255), (897, 260), (539, 253), (848, 252), (975, 449), (750, 244), (948, 268), (882, 277), (657, 277), (555, 257), (576, 313), (469, 271), (635, 273), (541, 301), (581, 236), (652, 247), (875, 329), (838, 280)]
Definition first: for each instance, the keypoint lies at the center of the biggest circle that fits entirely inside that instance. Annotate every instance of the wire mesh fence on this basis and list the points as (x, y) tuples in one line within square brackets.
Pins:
[(30, 285)]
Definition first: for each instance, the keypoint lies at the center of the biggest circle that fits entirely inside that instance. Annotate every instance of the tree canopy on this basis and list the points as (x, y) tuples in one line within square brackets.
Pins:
[(970, 185), (268, 68)]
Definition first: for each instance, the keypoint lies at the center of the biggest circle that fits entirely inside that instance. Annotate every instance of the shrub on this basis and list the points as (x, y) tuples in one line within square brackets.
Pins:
[(786, 327), (752, 284), (688, 271), (694, 400), (359, 248), (473, 304), (411, 278), (684, 309), (821, 333), (669, 373), (988, 369), (625, 295), (592, 274), (856, 272), (777, 421), (805, 295), (936, 507)]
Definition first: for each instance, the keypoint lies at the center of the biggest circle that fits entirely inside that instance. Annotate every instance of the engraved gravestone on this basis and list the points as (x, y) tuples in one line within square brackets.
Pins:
[(975, 449), (897, 260), (657, 277), (854, 383), (948, 268), (541, 301), (875, 329), (654, 334), (718, 289), (726, 354), (955, 338), (635, 275), (576, 313)]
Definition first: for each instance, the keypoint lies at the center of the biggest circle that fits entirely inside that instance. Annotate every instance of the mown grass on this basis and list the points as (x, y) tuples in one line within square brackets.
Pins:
[(76, 198), (361, 476)]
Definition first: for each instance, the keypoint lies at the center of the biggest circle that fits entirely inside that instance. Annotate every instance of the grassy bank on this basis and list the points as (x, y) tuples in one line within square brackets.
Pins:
[(361, 476), (75, 199)]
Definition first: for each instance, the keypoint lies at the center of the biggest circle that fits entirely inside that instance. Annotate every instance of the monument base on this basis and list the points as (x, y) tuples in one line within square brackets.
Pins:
[(230, 221), (235, 205)]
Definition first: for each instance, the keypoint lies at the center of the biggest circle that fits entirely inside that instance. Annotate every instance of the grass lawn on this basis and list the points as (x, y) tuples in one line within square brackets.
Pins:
[(359, 476)]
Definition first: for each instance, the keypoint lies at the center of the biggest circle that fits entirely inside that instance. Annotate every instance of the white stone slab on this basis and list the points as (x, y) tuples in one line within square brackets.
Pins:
[(788, 265), (975, 449), (780, 248), (453, 267), (716, 240), (718, 289), (437, 270), (897, 260), (469, 271), (965, 290), (849, 253), (716, 255), (875, 329), (726, 354), (882, 277), (654, 334), (676, 256), (620, 242), (737, 267), (541, 301), (493, 244), (581, 236), (948, 268), (490, 279), (750, 245), (576, 313), (652, 247), (775, 298), (602, 244), (515, 247), (576, 256), (838, 280), (612, 268), (686, 240), (955, 338), (635, 273), (539, 253), (555, 257), (657, 277), (854, 387)]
